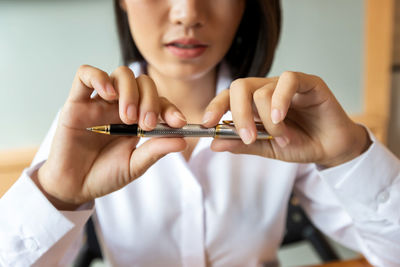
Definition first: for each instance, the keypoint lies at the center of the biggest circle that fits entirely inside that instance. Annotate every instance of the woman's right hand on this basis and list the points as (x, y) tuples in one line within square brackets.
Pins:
[(83, 165)]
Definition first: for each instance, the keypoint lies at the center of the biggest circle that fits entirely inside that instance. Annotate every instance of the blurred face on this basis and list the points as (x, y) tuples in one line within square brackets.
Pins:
[(183, 39)]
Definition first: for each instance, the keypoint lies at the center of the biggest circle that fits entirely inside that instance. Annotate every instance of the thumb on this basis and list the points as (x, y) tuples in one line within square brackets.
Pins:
[(151, 151)]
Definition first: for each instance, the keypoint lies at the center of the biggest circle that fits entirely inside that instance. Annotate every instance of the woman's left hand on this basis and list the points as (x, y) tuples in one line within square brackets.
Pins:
[(298, 110)]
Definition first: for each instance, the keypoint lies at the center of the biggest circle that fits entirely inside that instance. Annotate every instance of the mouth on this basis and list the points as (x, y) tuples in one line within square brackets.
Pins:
[(187, 48)]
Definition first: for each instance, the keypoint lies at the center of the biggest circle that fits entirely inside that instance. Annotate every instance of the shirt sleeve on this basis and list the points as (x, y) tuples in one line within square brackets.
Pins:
[(32, 230), (358, 203)]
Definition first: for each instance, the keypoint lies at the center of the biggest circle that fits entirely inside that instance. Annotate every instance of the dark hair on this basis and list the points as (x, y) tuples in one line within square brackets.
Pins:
[(252, 50)]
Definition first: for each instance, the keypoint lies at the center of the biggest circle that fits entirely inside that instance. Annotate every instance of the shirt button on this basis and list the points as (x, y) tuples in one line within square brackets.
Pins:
[(30, 244), (383, 196)]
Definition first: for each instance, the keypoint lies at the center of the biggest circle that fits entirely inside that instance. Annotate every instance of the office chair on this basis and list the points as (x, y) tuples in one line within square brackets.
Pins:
[(91, 249), (300, 228)]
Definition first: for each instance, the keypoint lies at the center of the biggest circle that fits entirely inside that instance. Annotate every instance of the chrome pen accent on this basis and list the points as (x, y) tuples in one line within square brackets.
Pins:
[(226, 130)]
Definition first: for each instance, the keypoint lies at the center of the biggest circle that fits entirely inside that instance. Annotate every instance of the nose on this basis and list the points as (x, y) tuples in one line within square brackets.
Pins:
[(188, 13)]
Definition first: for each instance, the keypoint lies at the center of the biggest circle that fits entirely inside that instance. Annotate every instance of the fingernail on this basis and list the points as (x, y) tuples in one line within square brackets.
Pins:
[(276, 116), (179, 116), (282, 141), (207, 117), (245, 135), (110, 90), (150, 119), (131, 112)]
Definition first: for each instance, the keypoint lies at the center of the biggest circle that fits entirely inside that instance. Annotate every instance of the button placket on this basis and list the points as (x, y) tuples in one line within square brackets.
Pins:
[(192, 219)]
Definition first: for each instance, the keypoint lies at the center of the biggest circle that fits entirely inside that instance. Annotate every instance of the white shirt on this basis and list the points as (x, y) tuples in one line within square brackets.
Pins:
[(217, 209)]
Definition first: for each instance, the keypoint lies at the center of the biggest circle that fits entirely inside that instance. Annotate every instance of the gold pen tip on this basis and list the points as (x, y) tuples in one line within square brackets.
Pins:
[(104, 129)]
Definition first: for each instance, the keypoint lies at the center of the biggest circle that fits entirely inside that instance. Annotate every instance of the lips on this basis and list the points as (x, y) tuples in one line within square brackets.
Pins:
[(186, 48)]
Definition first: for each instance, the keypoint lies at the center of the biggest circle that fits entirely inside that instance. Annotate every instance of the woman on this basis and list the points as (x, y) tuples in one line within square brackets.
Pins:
[(200, 206)]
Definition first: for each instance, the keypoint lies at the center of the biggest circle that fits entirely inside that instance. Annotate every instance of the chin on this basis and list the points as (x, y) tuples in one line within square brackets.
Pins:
[(187, 70)]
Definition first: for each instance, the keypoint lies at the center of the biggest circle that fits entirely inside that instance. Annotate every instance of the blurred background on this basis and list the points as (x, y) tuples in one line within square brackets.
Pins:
[(42, 44)]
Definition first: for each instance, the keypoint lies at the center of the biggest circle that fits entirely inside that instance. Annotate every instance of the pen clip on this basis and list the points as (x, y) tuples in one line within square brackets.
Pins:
[(230, 122)]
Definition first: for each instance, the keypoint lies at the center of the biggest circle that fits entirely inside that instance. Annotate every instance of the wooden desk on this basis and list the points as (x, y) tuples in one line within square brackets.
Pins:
[(349, 263), (12, 162)]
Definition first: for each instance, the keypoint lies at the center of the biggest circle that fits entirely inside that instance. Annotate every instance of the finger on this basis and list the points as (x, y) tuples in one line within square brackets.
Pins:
[(149, 107), (92, 114), (311, 98), (288, 85), (241, 99), (262, 99), (125, 83), (216, 109), (171, 114), (221, 145), (151, 151), (261, 147), (89, 78), (128, 161)]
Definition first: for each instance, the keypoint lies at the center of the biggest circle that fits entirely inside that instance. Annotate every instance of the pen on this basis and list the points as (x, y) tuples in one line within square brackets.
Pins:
[(225, 130)]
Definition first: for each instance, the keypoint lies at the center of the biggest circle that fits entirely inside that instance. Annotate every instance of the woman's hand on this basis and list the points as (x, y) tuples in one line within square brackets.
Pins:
[(298, 110), (83, 165)]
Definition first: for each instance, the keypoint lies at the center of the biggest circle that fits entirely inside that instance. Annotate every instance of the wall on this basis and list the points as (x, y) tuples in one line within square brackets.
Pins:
[(325, 38), (42, 43), (394, 124)]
